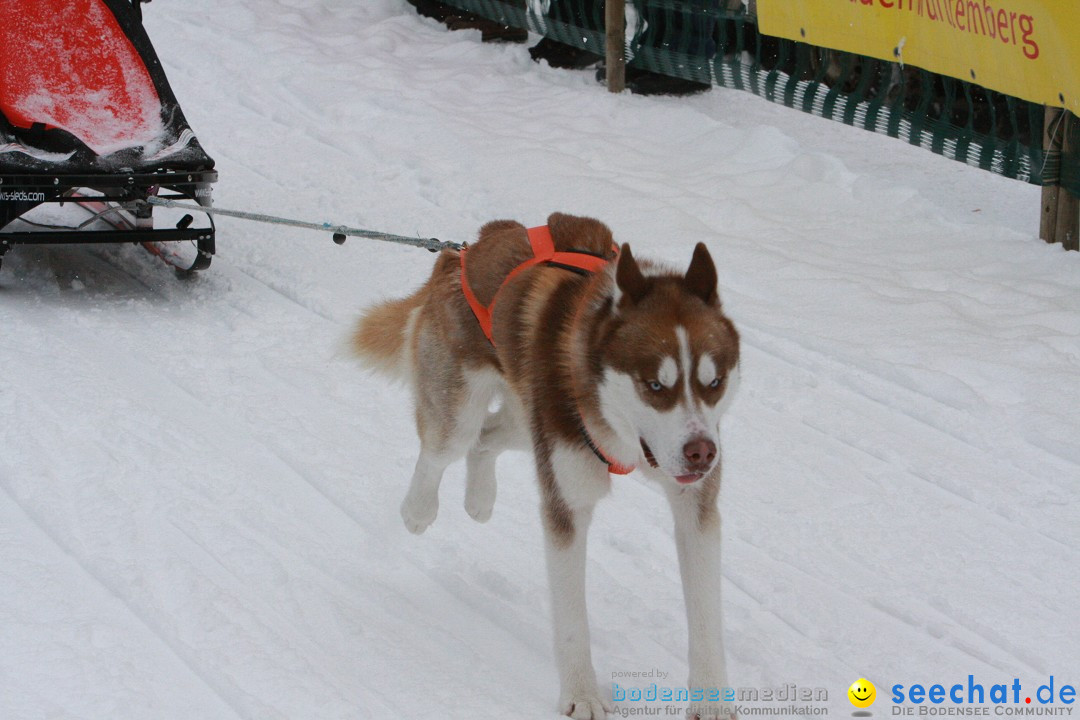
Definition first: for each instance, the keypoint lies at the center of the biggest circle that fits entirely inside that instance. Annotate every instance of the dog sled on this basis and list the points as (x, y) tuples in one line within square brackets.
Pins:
[(90, 129)]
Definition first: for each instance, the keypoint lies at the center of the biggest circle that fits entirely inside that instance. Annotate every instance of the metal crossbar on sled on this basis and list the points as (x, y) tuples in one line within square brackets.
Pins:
[(89, 129)]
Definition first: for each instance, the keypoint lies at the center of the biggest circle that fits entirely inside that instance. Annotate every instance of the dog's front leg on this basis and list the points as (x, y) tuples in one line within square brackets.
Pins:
[(567, 503), (697, 540), (579, 695)]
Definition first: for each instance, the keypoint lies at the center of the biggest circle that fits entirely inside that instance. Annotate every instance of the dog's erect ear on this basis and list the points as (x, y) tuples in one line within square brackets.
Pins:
[(701, 276), (628, 276)]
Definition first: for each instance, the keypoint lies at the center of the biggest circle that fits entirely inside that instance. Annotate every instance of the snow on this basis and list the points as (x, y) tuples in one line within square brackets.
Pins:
[(199, 488)]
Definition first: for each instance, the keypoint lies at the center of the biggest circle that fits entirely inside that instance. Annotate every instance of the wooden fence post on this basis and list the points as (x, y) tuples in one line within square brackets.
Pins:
[(1068, 218), (1050, 190), (1060, 220), (615, 27)]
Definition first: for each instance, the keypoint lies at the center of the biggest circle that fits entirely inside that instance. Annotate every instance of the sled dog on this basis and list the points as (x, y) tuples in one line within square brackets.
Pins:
[(598, 364)]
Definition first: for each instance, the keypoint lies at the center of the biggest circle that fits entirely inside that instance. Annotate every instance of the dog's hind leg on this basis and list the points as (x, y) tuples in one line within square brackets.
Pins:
[(502, 431), (450, 412)]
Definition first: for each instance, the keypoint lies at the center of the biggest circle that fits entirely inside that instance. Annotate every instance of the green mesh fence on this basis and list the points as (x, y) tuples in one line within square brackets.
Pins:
[(717, 42)]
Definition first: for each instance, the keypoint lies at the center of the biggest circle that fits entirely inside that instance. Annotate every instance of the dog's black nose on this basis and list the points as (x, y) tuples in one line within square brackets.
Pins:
[(699, 453)]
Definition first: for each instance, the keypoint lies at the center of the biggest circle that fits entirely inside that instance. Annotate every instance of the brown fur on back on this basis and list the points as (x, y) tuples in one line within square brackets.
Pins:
[(381, 338), (504, 244), (584, 234)]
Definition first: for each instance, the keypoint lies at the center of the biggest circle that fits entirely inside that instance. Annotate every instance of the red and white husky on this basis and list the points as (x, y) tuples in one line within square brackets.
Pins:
[(601, 366)]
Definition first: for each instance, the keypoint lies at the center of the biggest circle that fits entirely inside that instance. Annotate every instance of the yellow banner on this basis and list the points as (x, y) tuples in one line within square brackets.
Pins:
[(1026, 48)]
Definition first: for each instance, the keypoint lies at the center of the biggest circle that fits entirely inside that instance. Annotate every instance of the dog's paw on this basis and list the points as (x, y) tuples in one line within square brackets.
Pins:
[(479, 511), (418, 514), (709, 709), (585, 705), (480, 500)]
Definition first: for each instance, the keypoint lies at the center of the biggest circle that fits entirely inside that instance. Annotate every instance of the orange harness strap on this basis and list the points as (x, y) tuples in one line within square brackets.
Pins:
[(543, 248)]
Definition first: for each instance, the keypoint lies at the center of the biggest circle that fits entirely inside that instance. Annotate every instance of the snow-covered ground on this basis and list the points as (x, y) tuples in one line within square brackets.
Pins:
[(199, 489)]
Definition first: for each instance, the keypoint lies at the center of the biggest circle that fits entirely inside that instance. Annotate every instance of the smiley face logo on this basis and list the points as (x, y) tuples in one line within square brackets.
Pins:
[(862, 693)]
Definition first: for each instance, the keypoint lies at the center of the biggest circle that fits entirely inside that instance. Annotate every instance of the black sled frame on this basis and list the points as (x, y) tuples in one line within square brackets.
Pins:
[(121, 204)]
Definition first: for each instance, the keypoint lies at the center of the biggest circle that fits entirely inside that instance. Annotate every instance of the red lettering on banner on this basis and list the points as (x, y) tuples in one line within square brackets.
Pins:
[(991, 27), (985, 18), (974, 14), (1027, 27)]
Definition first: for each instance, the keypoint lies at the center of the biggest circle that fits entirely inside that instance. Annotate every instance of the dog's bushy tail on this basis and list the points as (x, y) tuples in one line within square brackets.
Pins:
[(381, 337)]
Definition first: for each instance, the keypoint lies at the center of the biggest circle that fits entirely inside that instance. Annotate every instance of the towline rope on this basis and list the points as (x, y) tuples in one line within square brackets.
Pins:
[(339, 231)]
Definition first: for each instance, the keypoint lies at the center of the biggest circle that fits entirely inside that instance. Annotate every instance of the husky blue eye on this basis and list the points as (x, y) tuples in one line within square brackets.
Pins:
[(715, 383), (655, 385)]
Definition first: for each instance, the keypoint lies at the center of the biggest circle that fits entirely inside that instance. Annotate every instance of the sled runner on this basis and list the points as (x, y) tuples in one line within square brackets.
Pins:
[(89, 129)]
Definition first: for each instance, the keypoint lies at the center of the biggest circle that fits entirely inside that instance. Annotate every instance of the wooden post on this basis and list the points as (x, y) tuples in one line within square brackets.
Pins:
[(615, 26), (1068, 215), (1050, 188), (1060, 208)]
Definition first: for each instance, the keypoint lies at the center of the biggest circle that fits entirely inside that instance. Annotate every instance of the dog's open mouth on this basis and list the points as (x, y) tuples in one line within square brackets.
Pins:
[(648, 454)]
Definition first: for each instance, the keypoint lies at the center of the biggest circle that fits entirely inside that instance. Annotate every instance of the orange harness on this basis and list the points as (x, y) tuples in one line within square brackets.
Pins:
[(543, 248)]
